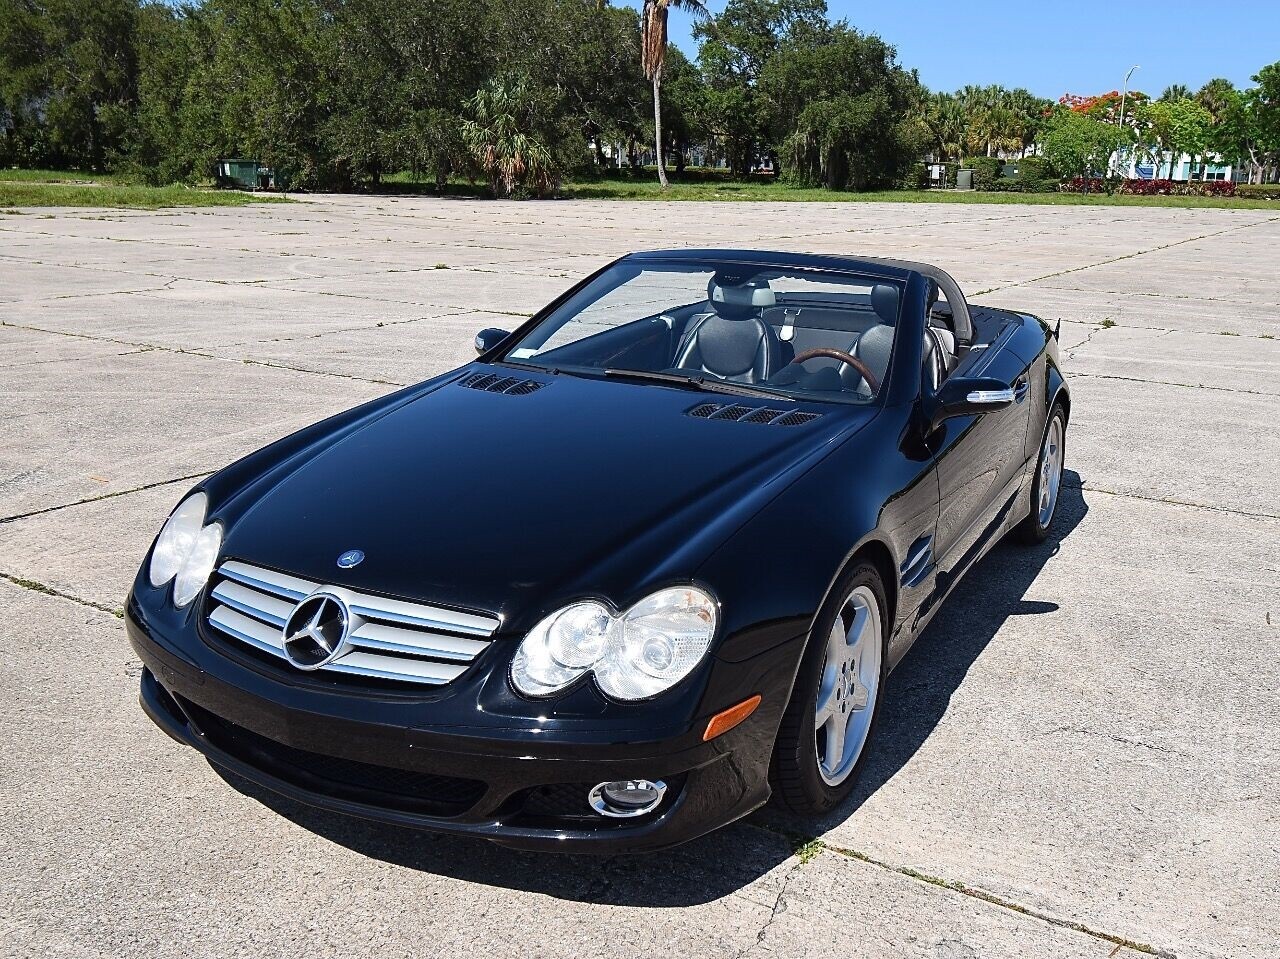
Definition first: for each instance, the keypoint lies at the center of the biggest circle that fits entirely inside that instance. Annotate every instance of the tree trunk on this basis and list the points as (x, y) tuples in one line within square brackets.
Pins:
[(657, 126)]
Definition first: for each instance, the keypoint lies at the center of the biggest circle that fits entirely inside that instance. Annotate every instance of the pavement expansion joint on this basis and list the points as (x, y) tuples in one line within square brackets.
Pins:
[(38, 587), (99, 498), (974, 893)]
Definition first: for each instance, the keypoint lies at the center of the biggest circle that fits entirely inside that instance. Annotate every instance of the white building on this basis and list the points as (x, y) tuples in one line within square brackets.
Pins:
[(1139, 165)]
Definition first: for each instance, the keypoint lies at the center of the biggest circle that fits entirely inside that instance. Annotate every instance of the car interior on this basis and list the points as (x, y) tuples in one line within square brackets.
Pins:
[(824, 340)]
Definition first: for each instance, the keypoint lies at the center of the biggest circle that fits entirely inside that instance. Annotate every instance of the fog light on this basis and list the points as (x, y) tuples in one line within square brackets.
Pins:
[(627, 797)]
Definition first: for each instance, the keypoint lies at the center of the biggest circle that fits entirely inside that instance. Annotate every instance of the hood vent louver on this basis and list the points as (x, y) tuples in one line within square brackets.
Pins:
[(738, 413), (497, 383)]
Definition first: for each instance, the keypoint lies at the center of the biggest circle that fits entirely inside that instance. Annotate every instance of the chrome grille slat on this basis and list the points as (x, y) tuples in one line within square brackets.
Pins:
[(395, 667), (253, 603), (268, 579), (248, 630), (390, 639), (378, 636)]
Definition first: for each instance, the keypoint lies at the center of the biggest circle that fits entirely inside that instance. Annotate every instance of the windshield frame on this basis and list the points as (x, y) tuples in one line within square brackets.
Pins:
[(547, 319)]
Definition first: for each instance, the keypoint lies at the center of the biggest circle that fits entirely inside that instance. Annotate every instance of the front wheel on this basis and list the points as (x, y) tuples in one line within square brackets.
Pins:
[(1048, 480), (822, 741)]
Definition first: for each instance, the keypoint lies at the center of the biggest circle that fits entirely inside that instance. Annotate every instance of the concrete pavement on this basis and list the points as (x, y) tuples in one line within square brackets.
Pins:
[(1080, 758)]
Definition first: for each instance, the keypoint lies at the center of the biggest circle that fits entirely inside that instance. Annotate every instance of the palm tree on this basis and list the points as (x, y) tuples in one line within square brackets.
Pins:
[(1217, 96), (653, 56), (1176, 91)]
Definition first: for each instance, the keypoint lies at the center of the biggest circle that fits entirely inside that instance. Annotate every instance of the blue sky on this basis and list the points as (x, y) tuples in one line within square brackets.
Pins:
[(1058, 48)]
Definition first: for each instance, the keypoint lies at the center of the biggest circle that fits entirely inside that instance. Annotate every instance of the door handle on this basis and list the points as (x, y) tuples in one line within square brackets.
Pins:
[(1021, 388)]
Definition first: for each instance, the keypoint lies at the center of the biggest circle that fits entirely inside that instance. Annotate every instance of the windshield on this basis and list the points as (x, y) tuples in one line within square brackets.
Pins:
[(811, 334)]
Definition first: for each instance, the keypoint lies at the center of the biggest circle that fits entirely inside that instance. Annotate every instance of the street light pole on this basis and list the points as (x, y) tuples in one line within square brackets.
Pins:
[(1125, 95)]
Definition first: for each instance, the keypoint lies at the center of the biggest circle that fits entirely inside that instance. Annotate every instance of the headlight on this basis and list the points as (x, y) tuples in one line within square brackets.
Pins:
[(635, 655), (186, 550), (195, 571)]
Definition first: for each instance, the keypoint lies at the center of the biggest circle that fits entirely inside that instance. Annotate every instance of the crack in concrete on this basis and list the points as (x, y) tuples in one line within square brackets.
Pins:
[(178, 351), (37, 587), (779, 907), (1170, 501), (1189, 386), (1128, 256), (1123, 740), (1070, 350), (97, 499)]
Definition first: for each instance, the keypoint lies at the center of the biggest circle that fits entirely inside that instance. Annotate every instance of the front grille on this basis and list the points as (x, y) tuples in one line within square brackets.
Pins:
[(387, 639), (405, 789), (559, 801)]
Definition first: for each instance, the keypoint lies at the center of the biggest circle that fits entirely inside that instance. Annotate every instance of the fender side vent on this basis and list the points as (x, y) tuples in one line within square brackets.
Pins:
[(738, 413), (496, 383)]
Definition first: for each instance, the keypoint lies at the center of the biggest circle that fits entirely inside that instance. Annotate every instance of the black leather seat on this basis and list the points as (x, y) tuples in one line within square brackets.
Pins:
[(733, 342), (875, 345)]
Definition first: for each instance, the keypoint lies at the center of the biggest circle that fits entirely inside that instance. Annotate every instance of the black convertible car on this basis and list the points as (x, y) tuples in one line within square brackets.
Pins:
[(643, 564)]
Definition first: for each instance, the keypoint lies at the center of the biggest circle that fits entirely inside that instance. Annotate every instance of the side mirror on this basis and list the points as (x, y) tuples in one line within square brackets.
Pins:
[(966, 396), (488, 339)]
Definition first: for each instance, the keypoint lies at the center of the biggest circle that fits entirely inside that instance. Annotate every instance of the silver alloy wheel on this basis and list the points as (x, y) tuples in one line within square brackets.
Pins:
[(849, 686), (1050, 471)]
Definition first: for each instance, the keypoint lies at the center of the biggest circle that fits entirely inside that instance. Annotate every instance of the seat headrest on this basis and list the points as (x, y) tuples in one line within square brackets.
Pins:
[(884, 300), (737, 302)]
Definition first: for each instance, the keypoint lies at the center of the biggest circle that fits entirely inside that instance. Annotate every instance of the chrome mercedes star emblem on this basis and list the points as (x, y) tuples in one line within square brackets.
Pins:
[(352, 557), (316, 631)]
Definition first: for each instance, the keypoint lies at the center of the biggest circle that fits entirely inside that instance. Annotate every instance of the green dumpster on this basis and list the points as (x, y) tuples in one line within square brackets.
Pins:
[(237, 174)]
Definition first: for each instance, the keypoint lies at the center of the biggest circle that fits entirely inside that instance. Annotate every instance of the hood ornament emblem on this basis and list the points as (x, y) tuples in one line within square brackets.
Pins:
[(352, 557)]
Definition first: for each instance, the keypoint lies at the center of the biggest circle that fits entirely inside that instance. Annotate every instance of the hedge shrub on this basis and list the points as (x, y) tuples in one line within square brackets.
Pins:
[(1024, 184), (1036, 168), (1258, 191), (1150, 187), (986, 171)]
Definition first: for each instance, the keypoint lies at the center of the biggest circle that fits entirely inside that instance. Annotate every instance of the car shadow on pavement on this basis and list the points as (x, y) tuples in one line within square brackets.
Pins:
[(724, 862)]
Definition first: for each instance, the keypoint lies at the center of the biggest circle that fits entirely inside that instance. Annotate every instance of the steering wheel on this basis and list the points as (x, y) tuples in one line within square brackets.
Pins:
[(862, 368)]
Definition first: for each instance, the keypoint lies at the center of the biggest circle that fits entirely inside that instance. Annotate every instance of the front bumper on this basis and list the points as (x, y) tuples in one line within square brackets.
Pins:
[(516, 790)]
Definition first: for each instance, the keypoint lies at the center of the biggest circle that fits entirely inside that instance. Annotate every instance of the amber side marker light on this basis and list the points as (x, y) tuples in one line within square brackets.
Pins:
[(722, 722)]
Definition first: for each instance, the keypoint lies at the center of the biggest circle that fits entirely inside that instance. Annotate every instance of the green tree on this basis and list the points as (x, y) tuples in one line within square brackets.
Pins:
[(845, 110), (1078, 145), (943, 118), (68, 79), (1263, 104), (734, 51), (1181, 126), (504, 138), (684, 105)]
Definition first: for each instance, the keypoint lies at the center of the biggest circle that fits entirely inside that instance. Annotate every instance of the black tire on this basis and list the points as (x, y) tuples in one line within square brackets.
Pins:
[(797, 784), (1032, 531)]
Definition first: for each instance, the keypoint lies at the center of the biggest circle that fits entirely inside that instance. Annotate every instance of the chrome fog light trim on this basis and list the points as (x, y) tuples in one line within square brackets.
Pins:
[(625, 798)]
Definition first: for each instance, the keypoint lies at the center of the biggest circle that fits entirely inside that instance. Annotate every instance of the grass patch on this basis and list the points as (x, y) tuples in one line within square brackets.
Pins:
[(121, 196), (55, 176), (783, 193), (806, 851), (1108, 323)]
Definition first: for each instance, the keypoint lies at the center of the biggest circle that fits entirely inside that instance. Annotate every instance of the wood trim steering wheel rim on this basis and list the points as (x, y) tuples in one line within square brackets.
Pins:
[(843, 357)]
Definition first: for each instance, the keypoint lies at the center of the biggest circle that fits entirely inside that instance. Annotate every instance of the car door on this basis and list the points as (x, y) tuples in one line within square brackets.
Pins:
[(980, 461)]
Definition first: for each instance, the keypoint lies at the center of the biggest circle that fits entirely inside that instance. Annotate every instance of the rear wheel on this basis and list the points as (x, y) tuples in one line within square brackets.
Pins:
[(1048, 480), (836, 700)]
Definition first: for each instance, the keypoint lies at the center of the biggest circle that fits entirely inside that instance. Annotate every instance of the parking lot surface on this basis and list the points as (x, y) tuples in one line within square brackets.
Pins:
[(1081, 757)]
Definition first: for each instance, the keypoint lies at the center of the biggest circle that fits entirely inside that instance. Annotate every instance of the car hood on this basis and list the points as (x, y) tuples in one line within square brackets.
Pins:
[(512, 503)]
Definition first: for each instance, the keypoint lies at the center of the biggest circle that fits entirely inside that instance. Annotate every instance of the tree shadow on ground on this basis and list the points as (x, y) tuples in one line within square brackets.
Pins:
[(728, 860)]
